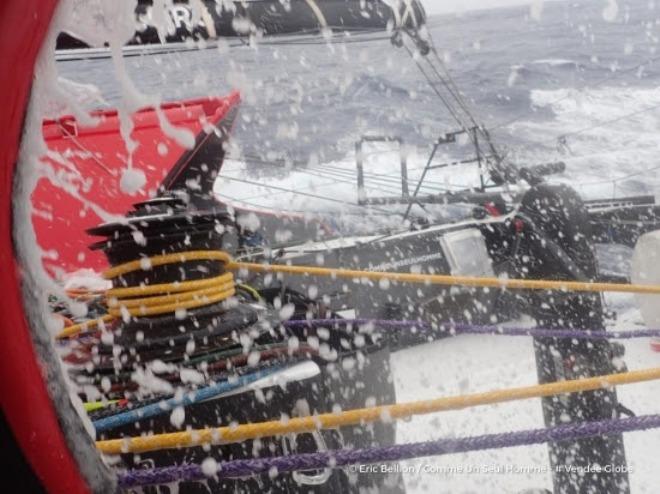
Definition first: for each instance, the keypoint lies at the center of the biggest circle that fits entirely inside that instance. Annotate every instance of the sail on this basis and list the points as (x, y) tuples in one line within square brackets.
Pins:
[(211, 19)]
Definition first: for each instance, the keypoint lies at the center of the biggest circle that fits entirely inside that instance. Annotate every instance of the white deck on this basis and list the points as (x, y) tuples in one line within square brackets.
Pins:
[(473, 363)]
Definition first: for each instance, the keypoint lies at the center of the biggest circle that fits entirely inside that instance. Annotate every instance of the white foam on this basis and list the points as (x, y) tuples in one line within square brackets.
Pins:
[(132, 180), (605, 157), (330, 189), (554, 62)]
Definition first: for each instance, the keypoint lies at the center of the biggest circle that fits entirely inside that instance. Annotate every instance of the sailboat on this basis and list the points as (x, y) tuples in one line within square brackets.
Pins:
[(240, 353)]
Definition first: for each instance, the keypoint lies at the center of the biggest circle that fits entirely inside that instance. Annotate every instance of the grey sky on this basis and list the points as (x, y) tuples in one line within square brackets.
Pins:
[(449, 6)]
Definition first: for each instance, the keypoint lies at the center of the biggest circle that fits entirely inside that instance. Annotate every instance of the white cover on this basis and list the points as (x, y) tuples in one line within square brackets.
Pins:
[(645, 270)]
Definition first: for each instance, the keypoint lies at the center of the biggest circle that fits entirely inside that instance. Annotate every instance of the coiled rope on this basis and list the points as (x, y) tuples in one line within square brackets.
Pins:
[(347, 457), (161, 298), (232, 434), (170, 297)]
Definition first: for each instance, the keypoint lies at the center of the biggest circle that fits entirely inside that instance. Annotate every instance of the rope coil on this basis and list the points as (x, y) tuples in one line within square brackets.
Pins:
[(168, 297), (162, 298)]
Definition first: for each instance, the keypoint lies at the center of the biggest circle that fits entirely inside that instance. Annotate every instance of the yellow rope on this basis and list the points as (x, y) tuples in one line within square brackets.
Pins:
[(162, 298), (171, 296), (198, 293), (93, 406), (250, 290), (152, 262), (198, 299), (449, 280), (232, 434), (84, 326), (182, 286)]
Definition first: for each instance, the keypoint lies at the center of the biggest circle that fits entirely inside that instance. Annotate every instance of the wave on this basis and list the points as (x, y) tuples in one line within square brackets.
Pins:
[(538, 71), (608, 137), (331, 187), (557, 62), (371, 86), (597, 104)]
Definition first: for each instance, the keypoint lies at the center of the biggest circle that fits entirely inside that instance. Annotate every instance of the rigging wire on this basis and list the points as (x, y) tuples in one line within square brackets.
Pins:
[(301, 193), (435, 89), (342, 175), (333, 181), (388, 178), (346, 41), (332, 171), (448, 81), (384, 177), (430, 187), (449, 108), (336, 179), (239, 203), (365, 209), (328, 171), (456, 93), (472, 132), (464, 105)]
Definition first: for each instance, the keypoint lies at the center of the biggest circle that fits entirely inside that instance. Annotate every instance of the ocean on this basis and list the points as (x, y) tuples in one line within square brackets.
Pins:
[(576, 84)]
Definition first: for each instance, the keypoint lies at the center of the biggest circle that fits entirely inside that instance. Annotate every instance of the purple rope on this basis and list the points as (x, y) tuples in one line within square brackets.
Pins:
[(345, 457), (458, 328)]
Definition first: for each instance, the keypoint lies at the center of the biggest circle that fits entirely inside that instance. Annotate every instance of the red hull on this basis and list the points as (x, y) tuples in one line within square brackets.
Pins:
[(84, 182), (26, 402), (655, 344)]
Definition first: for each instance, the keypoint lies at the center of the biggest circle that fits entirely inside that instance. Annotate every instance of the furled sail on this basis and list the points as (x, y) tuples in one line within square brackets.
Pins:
[(210, 19)]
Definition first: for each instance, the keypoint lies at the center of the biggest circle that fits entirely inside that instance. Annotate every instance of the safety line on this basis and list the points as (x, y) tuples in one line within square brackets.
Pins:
[(455, 329), (232, 434), (449, 280), (384, 454)]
